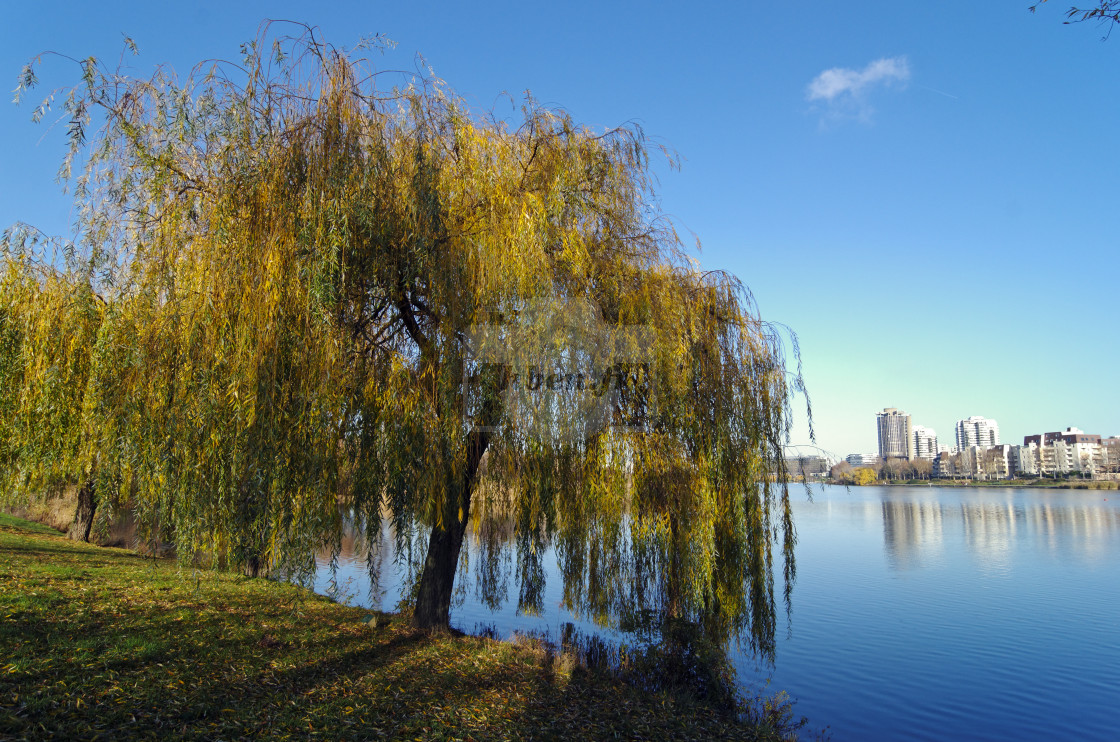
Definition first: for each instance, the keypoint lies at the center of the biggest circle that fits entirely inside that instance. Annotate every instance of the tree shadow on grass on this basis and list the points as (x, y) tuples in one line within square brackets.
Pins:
[(129, 653)]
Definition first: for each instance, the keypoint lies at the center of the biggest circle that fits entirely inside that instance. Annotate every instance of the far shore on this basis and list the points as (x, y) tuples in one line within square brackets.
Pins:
[(1073, 484)]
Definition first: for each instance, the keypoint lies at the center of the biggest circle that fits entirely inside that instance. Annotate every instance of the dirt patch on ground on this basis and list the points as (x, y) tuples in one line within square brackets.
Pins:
[(56, 507)]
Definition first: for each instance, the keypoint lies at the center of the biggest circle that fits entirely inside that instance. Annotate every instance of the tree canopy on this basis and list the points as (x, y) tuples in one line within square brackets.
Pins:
[(301, 297)]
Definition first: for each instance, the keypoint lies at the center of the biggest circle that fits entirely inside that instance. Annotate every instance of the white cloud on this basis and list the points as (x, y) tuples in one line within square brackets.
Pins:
[(845, 90)]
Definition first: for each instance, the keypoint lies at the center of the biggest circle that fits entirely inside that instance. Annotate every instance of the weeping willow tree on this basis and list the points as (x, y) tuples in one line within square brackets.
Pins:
[(49, 322), (300, 296)]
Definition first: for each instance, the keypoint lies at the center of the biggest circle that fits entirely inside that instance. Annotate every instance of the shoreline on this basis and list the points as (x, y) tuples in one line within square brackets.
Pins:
[(101, 641), (1087, 485)]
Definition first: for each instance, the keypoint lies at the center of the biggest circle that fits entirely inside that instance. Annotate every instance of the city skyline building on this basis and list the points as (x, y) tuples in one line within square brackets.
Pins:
[(1069, 435), (1070, 450), (862, 459), (1085, 452), (896, 434), (977, 431), (925, 443), (979, 453)]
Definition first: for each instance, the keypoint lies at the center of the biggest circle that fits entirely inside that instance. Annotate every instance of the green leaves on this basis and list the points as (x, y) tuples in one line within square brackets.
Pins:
[(265, 325), (27, 80)]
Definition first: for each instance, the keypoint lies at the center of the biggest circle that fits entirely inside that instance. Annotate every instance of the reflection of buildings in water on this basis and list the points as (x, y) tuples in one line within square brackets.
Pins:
[(914, 531), (989, 532), (870, 515), (911, 531), (1082, 529), (1076, 528)]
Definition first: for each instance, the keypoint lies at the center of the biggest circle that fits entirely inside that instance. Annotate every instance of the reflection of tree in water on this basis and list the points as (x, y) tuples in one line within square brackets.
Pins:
[(486, 540), (613, 567), (501, 544), (357, 545), (591, 554), (609, 572)]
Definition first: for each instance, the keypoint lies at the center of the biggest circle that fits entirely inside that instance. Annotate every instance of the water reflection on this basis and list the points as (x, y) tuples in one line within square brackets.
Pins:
[(956, 613), (948, 613), (912, 531), (918, 529), (992, 526)]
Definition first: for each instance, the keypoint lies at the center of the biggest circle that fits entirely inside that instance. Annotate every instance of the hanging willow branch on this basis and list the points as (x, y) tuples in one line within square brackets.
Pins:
[(295, 264)]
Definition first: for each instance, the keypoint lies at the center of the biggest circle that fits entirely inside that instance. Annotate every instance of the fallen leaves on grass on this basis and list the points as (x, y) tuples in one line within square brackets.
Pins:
[(99, 642)]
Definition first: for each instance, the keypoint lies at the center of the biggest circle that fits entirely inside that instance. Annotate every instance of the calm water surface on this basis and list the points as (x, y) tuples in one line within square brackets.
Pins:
[(923, 613)]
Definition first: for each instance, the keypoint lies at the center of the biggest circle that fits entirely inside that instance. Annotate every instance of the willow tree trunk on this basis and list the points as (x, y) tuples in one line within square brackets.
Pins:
[(84, 514), (433, 599)]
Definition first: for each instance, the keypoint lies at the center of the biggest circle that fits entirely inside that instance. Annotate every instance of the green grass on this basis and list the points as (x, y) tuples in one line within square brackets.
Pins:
[(99, 642)]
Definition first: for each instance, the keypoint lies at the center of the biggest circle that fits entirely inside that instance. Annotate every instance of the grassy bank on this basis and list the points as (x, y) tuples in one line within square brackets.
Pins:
[(101, 642)]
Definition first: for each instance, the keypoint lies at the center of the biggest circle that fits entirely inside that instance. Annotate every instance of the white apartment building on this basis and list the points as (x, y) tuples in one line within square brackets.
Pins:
[(977, 431), (1110, 455), (1027, 459), (1071, 451), (925, 443), (997, 462), (862, 459), (896, 435)]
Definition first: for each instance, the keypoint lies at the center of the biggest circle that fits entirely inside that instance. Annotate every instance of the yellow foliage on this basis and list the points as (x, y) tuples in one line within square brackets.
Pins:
[(267, 326), (863, 476)]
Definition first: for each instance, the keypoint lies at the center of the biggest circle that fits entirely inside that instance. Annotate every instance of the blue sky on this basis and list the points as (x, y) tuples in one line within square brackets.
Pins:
[(935, 216)]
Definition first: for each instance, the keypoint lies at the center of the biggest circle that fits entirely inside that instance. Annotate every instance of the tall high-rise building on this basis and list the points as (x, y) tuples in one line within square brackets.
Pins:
[(896, 436), (925, 443), (977, 431)]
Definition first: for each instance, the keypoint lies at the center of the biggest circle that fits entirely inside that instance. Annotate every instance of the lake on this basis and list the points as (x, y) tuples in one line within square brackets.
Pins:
[(922, 613)]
